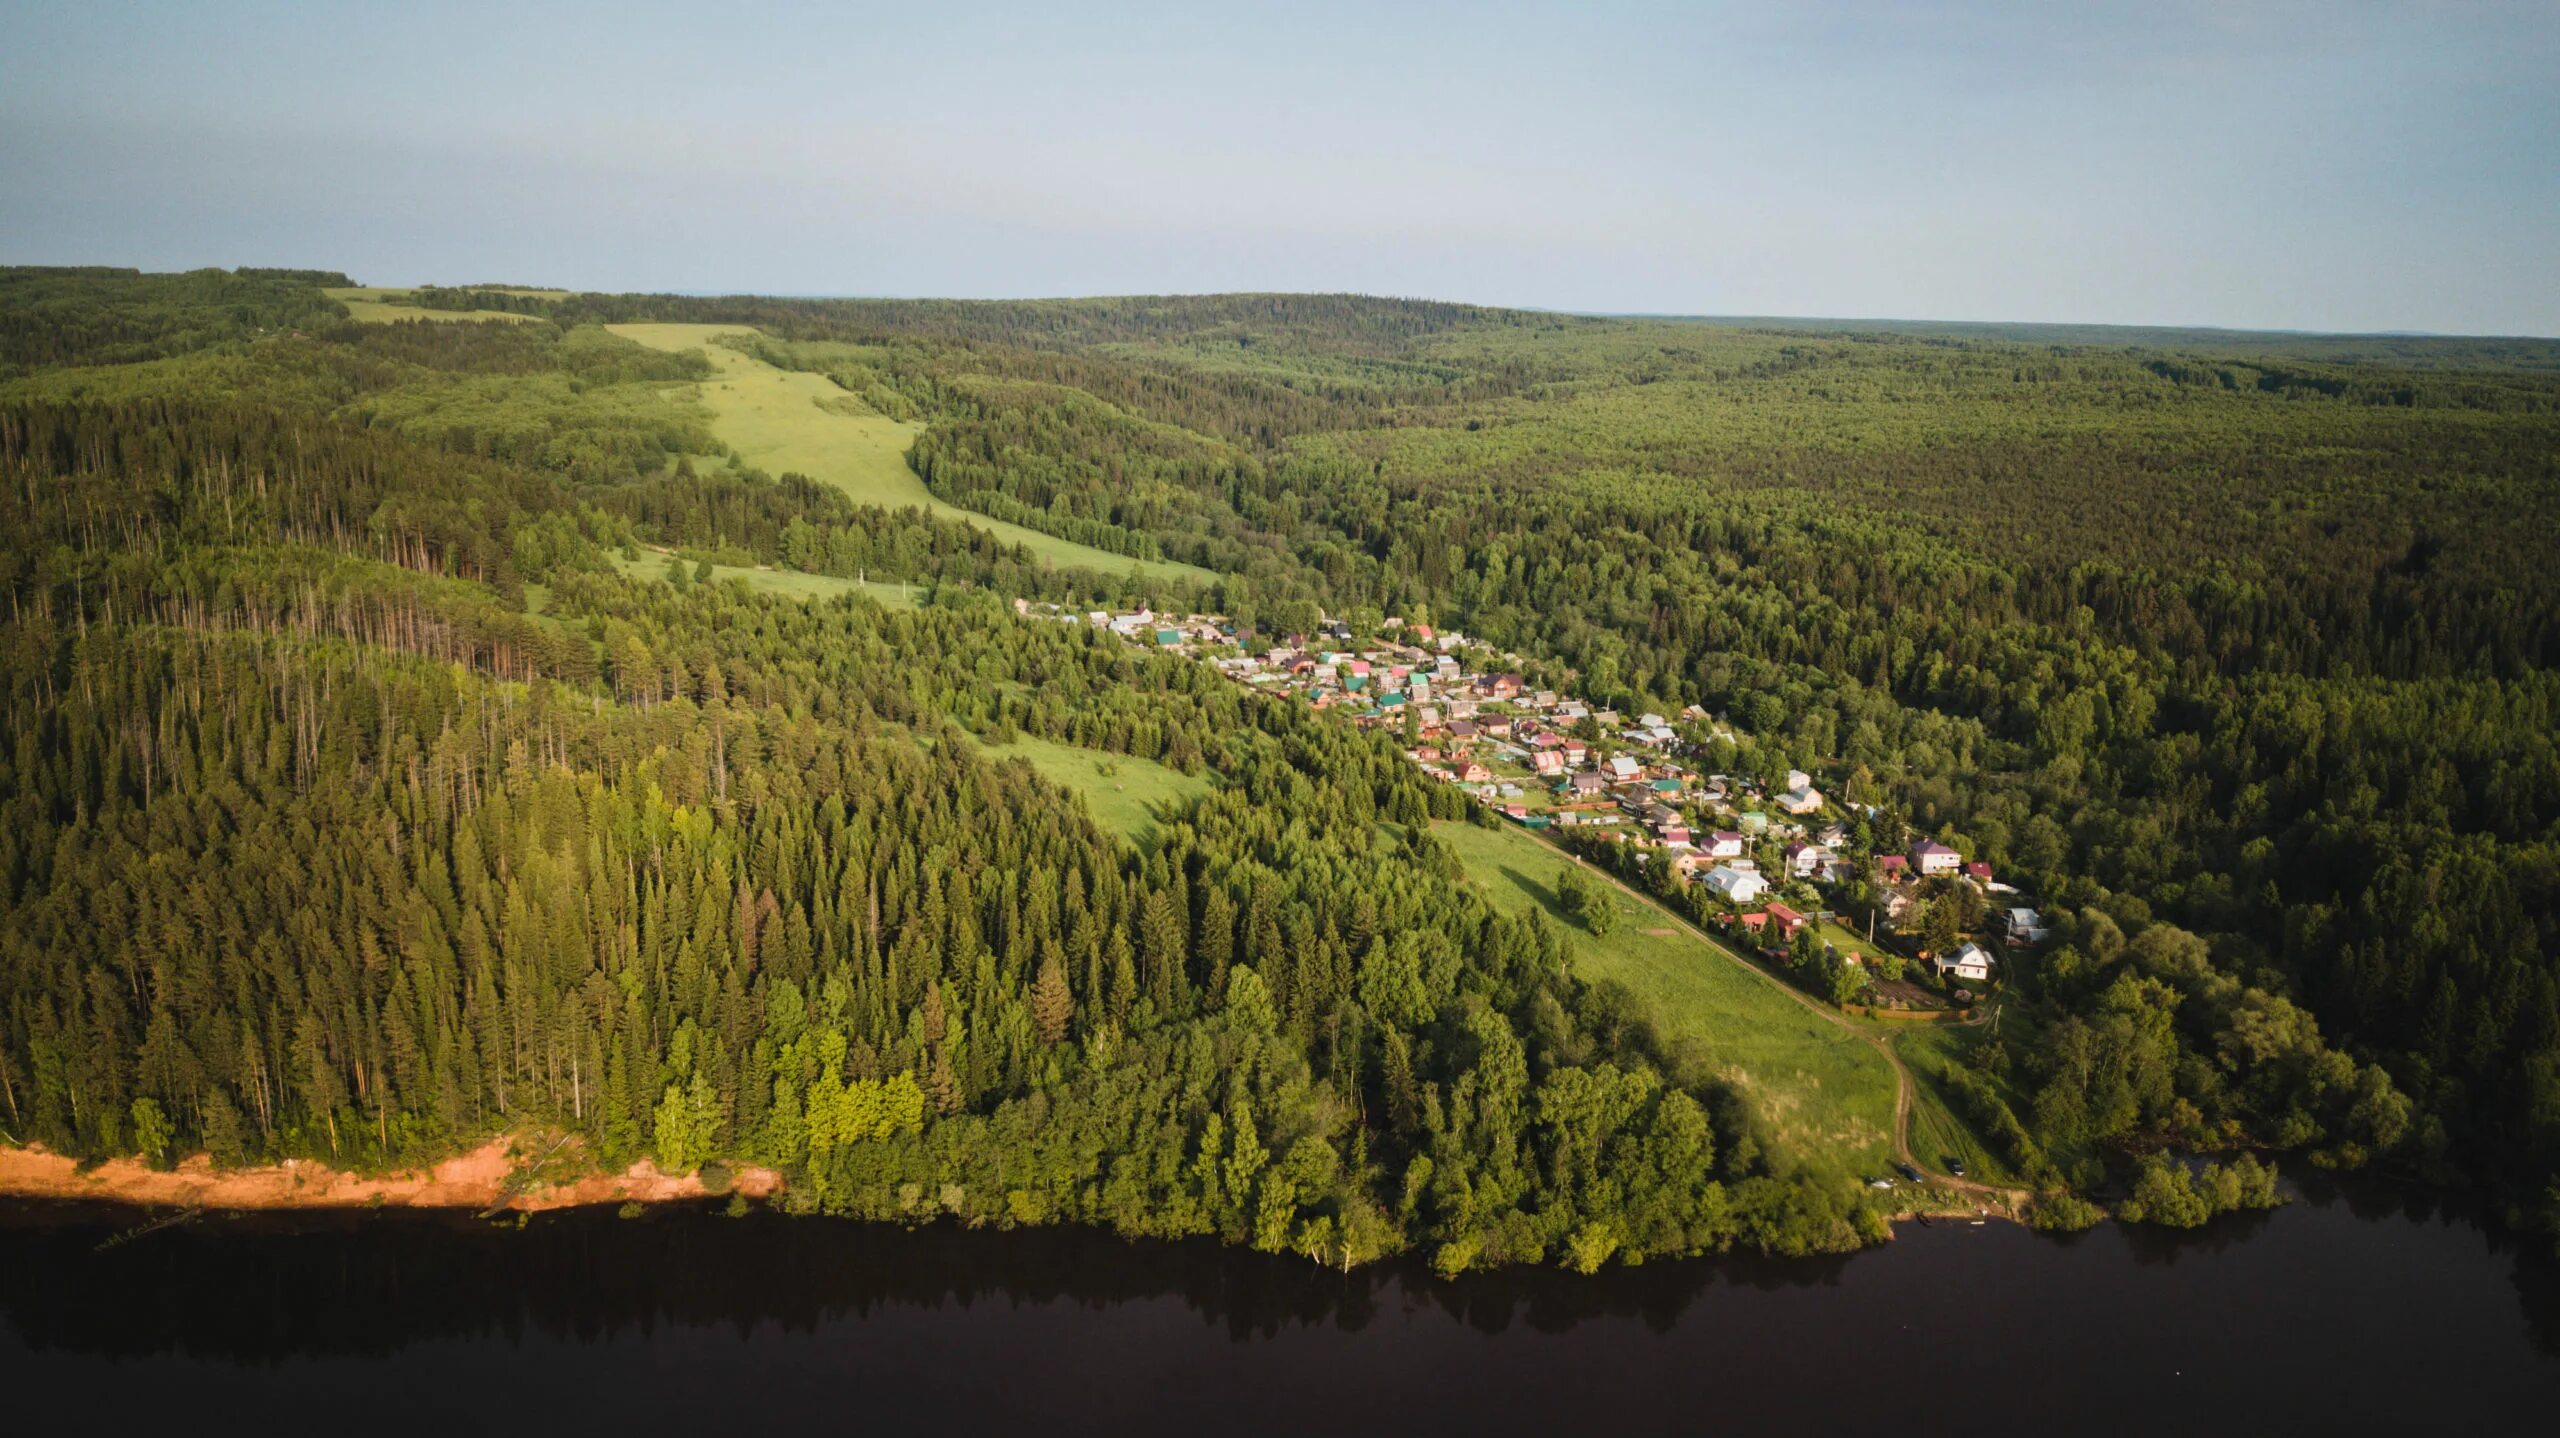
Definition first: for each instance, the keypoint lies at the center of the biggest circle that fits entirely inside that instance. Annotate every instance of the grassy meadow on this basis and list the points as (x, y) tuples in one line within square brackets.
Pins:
[(790, 583), (1939, 1131), (1127, 795), (376, 305), (1824, 1097), (783, 420)]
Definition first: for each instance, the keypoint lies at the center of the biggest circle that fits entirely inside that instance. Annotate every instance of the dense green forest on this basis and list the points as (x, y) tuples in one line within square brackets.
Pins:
[(357, 804)]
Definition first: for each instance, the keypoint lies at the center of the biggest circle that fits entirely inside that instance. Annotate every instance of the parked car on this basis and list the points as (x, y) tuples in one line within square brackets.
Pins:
[(1911, 1173), (1956, 1167)]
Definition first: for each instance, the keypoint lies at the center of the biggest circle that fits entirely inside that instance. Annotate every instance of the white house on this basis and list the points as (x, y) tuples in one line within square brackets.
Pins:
[(1971, 963), (1738, 886), (1724, 844), (1806, 860), (1929, 857), (1802, 799)]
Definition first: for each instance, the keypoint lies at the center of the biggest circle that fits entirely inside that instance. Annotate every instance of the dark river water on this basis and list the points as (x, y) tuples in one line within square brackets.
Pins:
[(2355, 1311)]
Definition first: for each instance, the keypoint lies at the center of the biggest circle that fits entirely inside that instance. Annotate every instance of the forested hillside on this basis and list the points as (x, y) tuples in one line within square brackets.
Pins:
[(356, 803), (356, 806)]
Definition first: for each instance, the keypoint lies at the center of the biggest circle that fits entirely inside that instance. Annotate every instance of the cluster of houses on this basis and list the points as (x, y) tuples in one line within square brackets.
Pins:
[(1544, 759)]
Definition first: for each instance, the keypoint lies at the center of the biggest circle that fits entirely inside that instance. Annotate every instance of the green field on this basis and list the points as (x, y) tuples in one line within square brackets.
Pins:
[(1826, 1097), (1938, 1131), (790, 583), (1127, 795), (784, 420), (375, 305)]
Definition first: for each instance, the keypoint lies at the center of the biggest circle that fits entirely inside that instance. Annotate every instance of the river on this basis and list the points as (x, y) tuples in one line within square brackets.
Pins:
[(2356, 1310)]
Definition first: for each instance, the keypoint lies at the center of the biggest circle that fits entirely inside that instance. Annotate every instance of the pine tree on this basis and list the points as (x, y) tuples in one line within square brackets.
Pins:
[(1051, 1005)]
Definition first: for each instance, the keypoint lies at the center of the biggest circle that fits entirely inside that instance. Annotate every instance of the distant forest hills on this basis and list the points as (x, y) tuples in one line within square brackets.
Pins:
[(453, 710), (2415, 347)]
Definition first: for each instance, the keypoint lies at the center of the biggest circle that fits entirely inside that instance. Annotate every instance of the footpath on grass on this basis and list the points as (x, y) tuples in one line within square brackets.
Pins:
[(2005, 1202)]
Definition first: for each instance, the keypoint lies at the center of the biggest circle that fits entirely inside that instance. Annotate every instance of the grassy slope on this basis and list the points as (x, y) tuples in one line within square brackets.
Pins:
[(789, 583), (372, 305), (1938, 1133), (1126, 800), (1827, 1098), (780, 420)]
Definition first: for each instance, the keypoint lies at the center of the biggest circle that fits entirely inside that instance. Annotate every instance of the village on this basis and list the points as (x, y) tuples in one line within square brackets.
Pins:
[(1900, 923)]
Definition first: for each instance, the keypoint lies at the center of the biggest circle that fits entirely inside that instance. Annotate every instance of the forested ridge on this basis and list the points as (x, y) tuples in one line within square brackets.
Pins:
[(357, 804)]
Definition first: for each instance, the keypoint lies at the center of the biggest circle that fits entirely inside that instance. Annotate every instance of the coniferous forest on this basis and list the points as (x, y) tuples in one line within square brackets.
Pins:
[(368, 789)]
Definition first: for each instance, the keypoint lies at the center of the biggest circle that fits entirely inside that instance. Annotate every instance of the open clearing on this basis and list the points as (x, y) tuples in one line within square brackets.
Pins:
[(784, 420), (1938, 1131), (1127, 795), (1825, 1096), (790, 583), (375, 305)]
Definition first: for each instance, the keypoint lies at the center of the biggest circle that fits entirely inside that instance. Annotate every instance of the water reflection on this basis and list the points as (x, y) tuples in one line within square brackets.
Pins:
[(2257, 1319), (257, 1287)]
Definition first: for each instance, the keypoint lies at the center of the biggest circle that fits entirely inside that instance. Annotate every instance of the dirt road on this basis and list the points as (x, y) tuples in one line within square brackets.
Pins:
[(2012, 1200)]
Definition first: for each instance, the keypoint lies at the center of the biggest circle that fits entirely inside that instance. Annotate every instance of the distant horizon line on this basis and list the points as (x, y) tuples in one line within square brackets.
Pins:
[(1673, 316), (1682, 316)]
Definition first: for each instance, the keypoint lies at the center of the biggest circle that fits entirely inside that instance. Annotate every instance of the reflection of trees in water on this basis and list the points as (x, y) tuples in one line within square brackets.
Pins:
[(1552, 1301), (2151, 1245), (2533, 1269), (267, 1288), (261, 1287)]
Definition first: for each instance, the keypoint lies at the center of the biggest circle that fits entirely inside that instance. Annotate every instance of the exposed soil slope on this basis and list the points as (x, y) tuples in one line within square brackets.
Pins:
[(486, 1177)]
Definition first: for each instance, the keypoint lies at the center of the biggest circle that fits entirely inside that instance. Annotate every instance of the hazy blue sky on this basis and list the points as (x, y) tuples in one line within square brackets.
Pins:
[(2327, 165)]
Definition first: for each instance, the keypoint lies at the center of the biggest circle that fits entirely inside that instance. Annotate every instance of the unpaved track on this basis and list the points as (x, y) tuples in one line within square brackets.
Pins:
[(2015, 1200)]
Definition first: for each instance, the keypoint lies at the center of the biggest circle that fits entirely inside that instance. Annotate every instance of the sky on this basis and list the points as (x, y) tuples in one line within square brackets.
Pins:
[(2251, 163)]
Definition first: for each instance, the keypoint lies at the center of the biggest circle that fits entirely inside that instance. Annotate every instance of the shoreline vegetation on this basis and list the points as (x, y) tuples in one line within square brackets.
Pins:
[(499, 1177)]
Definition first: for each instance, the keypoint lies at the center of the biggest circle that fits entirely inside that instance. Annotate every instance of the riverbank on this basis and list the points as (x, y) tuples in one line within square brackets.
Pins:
[(496, 1175)]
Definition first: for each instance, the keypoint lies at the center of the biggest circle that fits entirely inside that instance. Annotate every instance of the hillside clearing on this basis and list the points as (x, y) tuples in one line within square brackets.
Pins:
[(375, 305), (785, 420), (1127, 795), (1939, 1128), (1825, 1097), (789, 583)]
